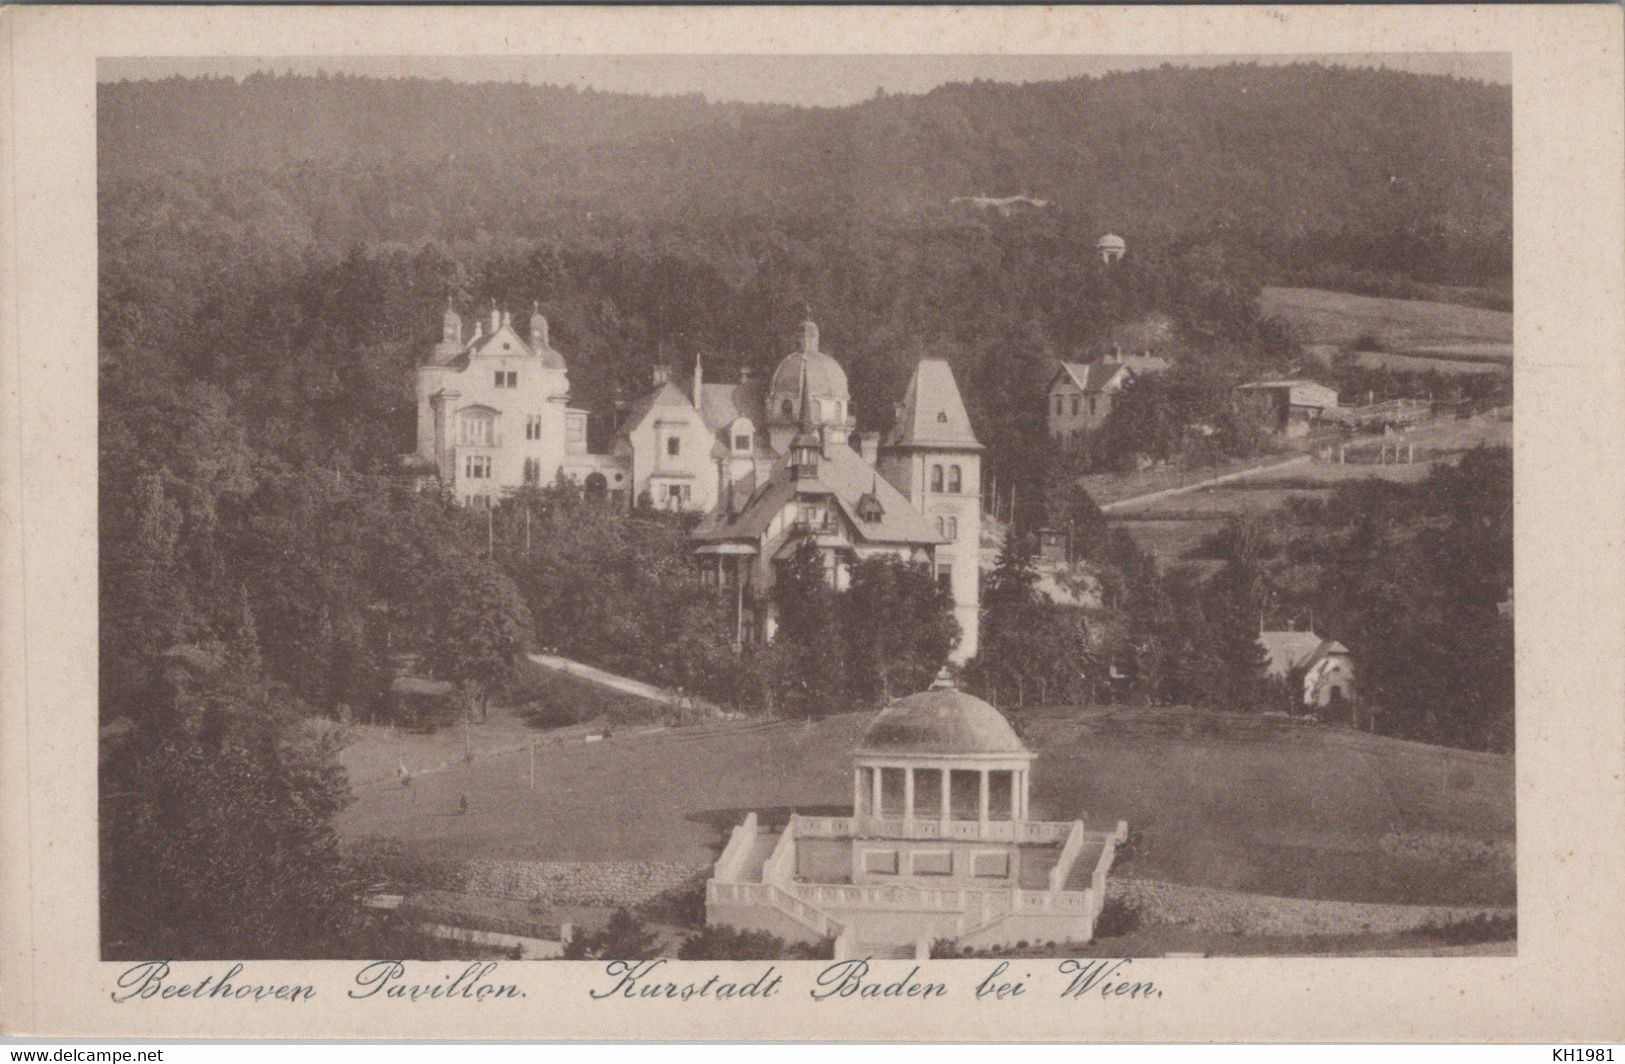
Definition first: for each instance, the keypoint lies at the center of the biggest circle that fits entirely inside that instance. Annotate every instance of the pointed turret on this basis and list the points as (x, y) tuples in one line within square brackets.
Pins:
[(807, 445)]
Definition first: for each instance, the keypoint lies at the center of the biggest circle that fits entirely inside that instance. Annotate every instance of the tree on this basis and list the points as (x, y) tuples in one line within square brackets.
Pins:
[(899, 626), (623, 938), (1235, 609), (216, 806), (812, 682), (483, 628)]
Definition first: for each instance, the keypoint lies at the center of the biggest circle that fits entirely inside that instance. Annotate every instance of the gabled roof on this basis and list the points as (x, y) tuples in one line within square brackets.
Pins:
[(843, 474), (666, 397), (722, 404), (1091, 377), (932, 412), (507, 341), (1140, 365), (1295, 650)]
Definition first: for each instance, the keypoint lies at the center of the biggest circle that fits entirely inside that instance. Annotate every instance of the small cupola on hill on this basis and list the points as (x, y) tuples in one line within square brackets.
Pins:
[(1111, 248)]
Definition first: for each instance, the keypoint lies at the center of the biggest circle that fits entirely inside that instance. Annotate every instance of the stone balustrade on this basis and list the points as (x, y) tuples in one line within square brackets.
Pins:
[(1040, 832)]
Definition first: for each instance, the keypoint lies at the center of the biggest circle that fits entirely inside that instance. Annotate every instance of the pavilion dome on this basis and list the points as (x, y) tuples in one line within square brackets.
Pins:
[(1111, 242), (941, 721)]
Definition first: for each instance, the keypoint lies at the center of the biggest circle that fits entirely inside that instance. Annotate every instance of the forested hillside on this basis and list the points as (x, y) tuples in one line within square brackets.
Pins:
[(1377, 170)]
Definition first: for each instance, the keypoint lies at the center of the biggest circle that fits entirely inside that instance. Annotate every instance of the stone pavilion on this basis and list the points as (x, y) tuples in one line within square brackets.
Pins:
[(941, 844)]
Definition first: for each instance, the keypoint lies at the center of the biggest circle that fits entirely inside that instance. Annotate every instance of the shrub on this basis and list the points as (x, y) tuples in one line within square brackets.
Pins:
[(1118, 916), (733, 944), (624, 938)]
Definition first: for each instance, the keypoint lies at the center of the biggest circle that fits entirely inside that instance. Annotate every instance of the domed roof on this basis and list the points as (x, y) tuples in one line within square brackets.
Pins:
[(1111, 240), (825, 377), (941, 721)]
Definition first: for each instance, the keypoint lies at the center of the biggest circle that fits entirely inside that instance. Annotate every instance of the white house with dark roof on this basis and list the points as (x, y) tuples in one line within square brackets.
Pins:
[(1080, 394), (1325, 664), (810, 479)]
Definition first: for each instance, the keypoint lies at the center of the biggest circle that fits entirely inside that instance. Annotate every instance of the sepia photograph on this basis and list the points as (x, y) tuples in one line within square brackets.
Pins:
[(823, 507)]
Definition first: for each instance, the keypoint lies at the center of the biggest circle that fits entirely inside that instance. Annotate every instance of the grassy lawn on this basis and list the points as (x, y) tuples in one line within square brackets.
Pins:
[(1237, 803), (1403, 325)]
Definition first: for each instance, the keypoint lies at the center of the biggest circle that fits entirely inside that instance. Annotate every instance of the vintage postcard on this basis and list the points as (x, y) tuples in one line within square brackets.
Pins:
[(870, 523)]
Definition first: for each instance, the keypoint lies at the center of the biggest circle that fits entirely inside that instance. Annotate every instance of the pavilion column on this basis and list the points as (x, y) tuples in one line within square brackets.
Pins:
[(877, 809), (1015, 795), (947, 795), (981, 809), (857, 791), (908, 793)]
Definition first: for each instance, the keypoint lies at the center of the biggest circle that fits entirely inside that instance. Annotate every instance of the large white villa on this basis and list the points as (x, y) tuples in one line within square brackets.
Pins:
[(941, 844)]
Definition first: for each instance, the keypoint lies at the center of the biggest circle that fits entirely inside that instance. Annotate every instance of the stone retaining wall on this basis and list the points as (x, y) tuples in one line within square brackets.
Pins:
[(606, 883), (1229, 912)]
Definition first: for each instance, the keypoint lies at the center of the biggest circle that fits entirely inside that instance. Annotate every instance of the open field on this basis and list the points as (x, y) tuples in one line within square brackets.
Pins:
[(1404, 326), (1419, 362), (1170, 526), (1241, 803)]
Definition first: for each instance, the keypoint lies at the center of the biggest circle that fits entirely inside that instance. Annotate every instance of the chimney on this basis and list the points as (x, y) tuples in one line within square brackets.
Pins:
[(869, 447), (699, 378), (496, 318), (744, 374), (660, 375), (809, 336)]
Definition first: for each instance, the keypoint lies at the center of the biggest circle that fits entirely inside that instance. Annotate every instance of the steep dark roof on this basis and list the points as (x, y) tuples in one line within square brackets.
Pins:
[(932, 412)]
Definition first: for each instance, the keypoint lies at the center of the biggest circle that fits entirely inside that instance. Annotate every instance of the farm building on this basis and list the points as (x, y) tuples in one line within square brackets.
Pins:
[(1326, 665), (1297, 405), (939, 845)]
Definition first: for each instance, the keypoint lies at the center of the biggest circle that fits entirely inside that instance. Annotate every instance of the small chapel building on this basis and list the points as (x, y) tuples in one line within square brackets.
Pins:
[(942, 843)]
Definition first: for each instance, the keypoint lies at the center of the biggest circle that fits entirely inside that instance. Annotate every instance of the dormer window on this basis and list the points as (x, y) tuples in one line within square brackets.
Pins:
[(742, 443), (942, 417), (870, 512)]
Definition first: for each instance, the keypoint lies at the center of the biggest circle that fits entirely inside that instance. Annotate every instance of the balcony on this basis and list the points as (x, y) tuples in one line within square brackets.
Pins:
[(826, 526)]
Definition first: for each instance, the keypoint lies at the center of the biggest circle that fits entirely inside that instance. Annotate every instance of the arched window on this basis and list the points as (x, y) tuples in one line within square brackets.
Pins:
[(787, 408), (953, 529), (936, 478), (942, 531), (817, 410), (476, 427), (953, 480)]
